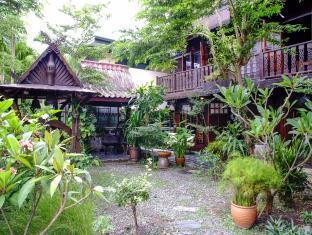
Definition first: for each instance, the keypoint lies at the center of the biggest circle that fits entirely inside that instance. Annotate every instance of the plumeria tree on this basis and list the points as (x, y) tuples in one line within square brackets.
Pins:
[(36, 162), (260, 126)]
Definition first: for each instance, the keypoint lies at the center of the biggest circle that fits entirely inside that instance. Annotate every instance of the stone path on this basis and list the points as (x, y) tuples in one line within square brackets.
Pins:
[(180, 203)]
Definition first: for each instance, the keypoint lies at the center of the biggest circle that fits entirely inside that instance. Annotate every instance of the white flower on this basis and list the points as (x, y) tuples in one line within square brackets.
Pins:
[(45, 116)]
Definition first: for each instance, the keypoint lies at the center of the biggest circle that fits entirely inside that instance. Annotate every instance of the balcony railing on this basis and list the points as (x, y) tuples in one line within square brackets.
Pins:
[(290, 60), (186, 80)]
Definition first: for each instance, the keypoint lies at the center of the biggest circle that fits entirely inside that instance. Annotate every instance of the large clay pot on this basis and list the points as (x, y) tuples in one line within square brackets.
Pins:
[(180, 161), (244, 217), (163, 162), (134, 153)]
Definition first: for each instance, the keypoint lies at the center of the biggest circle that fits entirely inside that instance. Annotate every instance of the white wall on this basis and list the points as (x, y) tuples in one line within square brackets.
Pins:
[(142, 77)]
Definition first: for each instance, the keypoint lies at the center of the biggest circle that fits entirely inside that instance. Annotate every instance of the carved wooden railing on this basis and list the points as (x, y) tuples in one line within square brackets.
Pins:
[(289, 60), (270, 64), (186, 80)]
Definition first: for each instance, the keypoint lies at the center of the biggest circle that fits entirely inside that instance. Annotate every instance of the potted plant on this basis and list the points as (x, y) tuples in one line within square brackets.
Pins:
[(132, 135), (146, 116), (180, 141), (248, 176)]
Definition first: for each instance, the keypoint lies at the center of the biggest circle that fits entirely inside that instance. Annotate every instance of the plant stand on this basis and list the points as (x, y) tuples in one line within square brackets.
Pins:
[(163, 162)]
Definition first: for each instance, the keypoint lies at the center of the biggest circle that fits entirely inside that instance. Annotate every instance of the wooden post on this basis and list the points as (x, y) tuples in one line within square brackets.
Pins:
[(75, 142)]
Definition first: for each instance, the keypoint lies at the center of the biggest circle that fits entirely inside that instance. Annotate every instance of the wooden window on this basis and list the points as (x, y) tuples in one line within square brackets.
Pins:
[(218, 108), (106, 116)]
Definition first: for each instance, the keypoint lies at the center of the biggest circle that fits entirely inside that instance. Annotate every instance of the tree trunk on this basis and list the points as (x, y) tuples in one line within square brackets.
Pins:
[(133, 207), (238, 75), (269, 202), (12, 57)]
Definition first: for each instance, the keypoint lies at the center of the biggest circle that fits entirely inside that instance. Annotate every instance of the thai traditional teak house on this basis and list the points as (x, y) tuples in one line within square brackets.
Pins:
[(266, 66), (51, 80)]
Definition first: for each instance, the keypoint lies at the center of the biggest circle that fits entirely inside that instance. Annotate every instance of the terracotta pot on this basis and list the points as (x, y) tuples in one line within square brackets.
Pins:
[(244, 217), (180, 161), (163, 154), (134, 153)]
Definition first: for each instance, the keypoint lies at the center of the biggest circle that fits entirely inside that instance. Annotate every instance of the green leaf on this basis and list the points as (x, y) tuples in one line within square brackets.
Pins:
[(2, 200), (24, 191), (5, 105), (27, 135), (54, 184), (13, 144), (58, 159), (24, 161), (48, 139), (45, 168)]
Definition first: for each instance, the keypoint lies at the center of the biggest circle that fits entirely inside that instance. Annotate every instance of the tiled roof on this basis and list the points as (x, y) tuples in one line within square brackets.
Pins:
[(119, 82)]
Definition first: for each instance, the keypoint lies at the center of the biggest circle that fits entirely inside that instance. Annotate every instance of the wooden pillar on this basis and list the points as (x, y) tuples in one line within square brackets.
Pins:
[(207, 120), (15, 107), (75, 142)]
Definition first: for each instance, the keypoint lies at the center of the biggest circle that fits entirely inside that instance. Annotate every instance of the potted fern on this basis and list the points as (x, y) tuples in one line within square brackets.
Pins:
[(180, 141), (248, 177)]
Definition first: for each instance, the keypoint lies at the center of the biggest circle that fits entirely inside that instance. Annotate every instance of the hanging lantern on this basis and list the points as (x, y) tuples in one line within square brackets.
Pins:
[(51, 71)]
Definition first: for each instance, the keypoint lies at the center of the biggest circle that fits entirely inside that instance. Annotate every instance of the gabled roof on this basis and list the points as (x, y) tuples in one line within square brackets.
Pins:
[(118, 82), (37, 73)]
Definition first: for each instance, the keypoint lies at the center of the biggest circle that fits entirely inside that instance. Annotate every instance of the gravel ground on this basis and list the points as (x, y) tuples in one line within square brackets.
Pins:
[(180, 203)]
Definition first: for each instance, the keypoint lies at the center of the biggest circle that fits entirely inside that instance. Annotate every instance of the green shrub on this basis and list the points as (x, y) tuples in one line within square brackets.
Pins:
[(102, 225), (34, 163), (132, 191), (213, 163), (285, 155), (231, 140), (84, 161), (249, 177), (282, 227), (215, 147), (77, 220), (306, 217)]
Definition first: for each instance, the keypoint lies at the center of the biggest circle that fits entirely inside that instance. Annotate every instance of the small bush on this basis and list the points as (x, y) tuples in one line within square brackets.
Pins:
[(282, 227), (306, 217), (102, 225), (84, 161), (132, 191), (249, 177), (212, 162)]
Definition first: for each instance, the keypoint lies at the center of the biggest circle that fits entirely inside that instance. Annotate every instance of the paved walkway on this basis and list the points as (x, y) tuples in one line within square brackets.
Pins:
[(180, 203)]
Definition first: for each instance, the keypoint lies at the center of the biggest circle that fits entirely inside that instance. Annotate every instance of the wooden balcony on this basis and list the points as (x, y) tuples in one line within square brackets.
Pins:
[(270, 64), (290, 60)]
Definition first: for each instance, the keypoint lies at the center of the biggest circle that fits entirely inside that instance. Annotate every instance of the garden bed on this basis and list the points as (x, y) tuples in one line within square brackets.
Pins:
[(180, 203)]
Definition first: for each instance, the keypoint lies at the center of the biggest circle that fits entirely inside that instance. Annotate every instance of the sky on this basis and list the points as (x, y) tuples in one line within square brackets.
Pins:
[(122, 16)]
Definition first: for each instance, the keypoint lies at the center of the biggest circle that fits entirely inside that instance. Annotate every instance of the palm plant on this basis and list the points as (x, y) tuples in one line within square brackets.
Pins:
[(180, 141)]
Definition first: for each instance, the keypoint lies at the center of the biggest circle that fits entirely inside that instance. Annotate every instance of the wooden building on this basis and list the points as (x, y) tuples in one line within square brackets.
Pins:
[(266, 66), (50, 79)]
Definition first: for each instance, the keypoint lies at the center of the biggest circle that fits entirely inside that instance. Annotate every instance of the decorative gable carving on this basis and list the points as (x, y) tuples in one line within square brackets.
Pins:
[(50, 69)]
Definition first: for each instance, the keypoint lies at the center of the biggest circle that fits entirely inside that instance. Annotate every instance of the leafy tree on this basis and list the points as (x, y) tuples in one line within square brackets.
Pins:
[(75, 37), (15, 54), (170, 23), (23, 58), (16, 7)]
